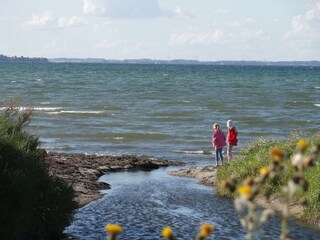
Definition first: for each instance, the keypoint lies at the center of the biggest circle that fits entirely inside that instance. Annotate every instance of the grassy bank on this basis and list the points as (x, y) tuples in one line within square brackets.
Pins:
[(257, 155), (34, 204)]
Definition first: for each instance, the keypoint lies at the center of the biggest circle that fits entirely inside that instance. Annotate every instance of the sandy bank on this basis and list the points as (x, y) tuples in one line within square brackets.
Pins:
[(205, 175), (82, 171)]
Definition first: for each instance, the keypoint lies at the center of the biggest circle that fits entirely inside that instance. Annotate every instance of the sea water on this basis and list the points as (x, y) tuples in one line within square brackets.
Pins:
[(161, 110), (164, 111)]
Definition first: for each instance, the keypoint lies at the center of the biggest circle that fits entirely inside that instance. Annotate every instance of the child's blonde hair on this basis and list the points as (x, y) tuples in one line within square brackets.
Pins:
[(216, 126)]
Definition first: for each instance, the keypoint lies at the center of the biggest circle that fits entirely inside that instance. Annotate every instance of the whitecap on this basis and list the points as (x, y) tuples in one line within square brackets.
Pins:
[(17, 108), (53, 113), (317, 104), (118, 138), (82, 112), (193, 151), (47, 108)]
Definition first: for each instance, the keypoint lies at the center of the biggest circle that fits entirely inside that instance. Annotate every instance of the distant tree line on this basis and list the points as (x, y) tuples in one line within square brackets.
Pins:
[(4, 58)]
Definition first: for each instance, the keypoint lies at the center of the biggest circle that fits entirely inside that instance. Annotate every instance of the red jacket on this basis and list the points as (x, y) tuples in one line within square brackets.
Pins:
[(232, 136), (218, 139)]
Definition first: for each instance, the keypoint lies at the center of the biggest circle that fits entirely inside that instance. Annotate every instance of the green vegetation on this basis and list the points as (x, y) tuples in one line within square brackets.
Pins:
[(257, 155), (34, 205)]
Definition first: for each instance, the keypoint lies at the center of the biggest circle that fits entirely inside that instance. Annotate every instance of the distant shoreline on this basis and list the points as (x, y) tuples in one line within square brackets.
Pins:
[(22, 59), (314, 63)]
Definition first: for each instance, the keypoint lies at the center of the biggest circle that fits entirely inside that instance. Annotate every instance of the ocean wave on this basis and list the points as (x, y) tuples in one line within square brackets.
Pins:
[(56, 110), (76, 112), (82, 112), (46, 108), (53, 113), (193, 151), (35, 108), (317, 104)]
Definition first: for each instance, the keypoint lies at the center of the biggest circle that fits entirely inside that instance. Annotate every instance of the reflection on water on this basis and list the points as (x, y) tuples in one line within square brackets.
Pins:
[(145, 202)]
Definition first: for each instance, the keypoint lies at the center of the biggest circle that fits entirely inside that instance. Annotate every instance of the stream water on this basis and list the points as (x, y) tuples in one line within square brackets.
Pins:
[(145, 202)]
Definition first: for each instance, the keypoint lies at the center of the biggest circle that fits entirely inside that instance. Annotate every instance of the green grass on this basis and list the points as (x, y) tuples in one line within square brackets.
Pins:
[(257, 154)]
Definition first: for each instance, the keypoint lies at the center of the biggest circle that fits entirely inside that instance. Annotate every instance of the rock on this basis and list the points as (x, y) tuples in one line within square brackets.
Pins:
[(82, 171)]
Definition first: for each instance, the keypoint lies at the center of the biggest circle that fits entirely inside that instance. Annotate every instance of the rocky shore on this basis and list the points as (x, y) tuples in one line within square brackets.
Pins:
[(82, 171)]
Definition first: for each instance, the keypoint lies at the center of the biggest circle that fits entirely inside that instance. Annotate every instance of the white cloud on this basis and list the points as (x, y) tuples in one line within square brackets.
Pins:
[(89, 7), (195, 37), (124, 8), (250, 35), (242, 31), (306, 27), (105, 45), (242, 22), (222, 11), (120, 48), (304, 37), (180, 12), (46, 21), (39, 21), (73, 21)]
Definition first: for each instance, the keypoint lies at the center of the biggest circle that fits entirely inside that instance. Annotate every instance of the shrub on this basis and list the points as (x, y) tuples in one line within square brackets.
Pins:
[(34, 205)]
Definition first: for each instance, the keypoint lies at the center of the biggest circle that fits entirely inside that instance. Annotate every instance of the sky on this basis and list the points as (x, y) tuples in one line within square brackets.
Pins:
[(204, 30)]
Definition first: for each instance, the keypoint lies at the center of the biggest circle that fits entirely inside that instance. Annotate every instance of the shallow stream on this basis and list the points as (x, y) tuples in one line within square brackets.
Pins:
[(145, 202)]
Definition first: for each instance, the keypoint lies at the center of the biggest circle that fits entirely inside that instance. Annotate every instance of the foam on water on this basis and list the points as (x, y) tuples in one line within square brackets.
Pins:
[(193, 151)]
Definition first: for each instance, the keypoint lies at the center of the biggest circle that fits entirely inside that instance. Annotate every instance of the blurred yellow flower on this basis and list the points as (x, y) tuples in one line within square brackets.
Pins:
[(206, 229), (264, 171), (245, 191), (302, 145), (167, 232), (113, 229), (277, 154)]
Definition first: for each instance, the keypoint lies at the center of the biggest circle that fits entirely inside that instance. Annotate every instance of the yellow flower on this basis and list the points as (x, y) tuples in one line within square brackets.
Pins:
[(113, 229), (206, 229), (302, 145), (264, 171), (245, 191), (167, 232), (276, 154)]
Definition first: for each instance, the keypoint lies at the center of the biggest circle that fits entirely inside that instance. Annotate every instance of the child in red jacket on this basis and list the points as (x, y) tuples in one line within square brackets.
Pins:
[(231, 138), (218, 142)]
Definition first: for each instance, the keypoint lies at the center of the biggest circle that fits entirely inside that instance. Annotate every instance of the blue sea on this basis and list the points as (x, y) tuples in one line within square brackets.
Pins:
[(163, 111), (160, 110)]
